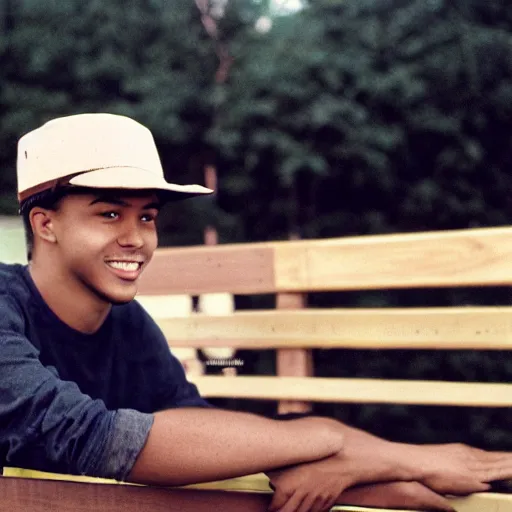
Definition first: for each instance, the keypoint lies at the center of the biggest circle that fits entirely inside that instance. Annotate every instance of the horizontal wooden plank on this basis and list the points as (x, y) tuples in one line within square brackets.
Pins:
[(431, 259), (483, 502), (239, 268), (34, 495), (486, 328), (54, 493), (318, 389)]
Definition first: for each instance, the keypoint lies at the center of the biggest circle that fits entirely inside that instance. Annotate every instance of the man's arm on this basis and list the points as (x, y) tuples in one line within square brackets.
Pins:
[(317, 486), (192, 445), (444, 468), (402, 473)]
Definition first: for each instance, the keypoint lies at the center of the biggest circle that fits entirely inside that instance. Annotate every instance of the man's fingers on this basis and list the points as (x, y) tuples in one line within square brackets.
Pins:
[(327, 504), (310, 503), (293, 502), (488, 471), (461, 486), (469, 488), (279, 499), (493, 474), (430, 500)]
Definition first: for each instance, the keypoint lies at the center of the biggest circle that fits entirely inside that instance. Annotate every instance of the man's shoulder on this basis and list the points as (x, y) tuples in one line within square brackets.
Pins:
[(14, 294), (11, 278)]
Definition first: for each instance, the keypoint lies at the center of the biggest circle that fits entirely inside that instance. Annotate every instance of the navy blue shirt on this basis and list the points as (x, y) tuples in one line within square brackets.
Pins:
[(80, 403)]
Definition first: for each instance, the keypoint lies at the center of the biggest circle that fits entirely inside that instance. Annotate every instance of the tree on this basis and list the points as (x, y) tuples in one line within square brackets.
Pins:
[(147, 59), (363, 117), (368, 117)]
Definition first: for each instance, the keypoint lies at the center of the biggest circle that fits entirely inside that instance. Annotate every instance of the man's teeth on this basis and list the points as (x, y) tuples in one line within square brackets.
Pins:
[(124, 265)]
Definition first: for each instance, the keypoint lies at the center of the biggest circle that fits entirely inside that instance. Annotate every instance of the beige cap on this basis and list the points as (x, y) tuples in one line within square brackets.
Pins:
[(93, 150)]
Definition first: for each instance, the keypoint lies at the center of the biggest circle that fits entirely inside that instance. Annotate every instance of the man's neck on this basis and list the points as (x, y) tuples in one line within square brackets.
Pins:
[(68, 298)]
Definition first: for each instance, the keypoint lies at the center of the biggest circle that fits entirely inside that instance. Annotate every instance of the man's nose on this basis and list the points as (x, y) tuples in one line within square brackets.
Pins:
[(131, 235)]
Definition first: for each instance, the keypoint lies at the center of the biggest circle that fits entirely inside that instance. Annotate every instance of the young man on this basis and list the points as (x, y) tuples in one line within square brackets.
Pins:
[(87, 382)]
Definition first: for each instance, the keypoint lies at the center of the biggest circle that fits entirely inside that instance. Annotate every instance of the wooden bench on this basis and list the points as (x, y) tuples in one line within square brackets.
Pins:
[(290, 270), (477, 257)]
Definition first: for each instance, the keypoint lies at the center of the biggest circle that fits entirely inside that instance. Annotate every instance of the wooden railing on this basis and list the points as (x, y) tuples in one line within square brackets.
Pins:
[(46, 493)]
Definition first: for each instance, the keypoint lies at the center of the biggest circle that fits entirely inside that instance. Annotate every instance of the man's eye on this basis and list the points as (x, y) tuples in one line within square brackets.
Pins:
[(148, 217), (110, 215)]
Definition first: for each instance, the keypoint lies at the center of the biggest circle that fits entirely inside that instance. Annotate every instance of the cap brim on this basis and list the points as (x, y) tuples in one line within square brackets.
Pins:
[(135, 178)]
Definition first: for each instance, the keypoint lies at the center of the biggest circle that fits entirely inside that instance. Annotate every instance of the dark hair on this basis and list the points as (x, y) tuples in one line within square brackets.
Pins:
[(48, 199)]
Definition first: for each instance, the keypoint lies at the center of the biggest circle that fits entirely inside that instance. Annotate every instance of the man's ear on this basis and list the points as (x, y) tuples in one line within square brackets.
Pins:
[(42, 226)]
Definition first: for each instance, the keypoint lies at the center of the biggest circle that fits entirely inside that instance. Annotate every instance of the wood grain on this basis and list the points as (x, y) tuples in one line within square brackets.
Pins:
[(210, 269), (485, 328), (39, 495), (293, 362), (433, 259), (23, 495), (436, 259), (318, 389)]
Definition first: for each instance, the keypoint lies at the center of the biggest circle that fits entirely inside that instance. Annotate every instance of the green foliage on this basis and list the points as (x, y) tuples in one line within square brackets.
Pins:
[(379, 116), (149, 60)]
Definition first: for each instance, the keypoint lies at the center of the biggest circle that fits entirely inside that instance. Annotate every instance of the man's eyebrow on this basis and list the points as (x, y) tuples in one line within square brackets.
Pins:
[(155, 204), (119, 202), (109, 200)]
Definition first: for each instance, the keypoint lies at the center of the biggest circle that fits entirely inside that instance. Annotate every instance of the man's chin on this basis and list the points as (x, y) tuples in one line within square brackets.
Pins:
[(122, 297), (117, 297), (120, 302)]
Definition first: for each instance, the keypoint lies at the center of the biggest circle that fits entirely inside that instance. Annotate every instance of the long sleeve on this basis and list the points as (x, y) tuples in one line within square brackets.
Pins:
[(48, 424)]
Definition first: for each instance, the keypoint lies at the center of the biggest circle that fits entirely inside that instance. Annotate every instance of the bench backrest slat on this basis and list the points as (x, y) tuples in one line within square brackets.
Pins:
[(341, 390), (480, 257), (484, 328)]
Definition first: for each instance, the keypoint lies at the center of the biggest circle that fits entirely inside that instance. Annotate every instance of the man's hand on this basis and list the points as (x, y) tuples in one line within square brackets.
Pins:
[(429, 470), (459, 469), (445, 468), (317, 486), (310, 487)]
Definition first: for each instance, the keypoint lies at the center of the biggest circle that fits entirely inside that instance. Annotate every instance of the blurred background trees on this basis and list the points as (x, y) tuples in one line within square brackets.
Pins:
[(332, 118)]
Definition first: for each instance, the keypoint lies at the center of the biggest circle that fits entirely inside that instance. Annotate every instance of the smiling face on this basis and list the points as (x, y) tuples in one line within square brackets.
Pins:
[(102, 242)]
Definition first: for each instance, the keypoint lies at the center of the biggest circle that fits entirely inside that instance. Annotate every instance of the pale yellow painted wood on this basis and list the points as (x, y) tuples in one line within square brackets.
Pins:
[(448, 258), (319, 389), (486, 328), (483, 502)]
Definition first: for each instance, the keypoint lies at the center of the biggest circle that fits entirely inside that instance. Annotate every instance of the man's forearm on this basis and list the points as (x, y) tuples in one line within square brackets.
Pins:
[(197, 445)]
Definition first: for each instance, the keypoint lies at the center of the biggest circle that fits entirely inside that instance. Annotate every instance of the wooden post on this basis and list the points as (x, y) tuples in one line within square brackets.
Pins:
[(293, 362)]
